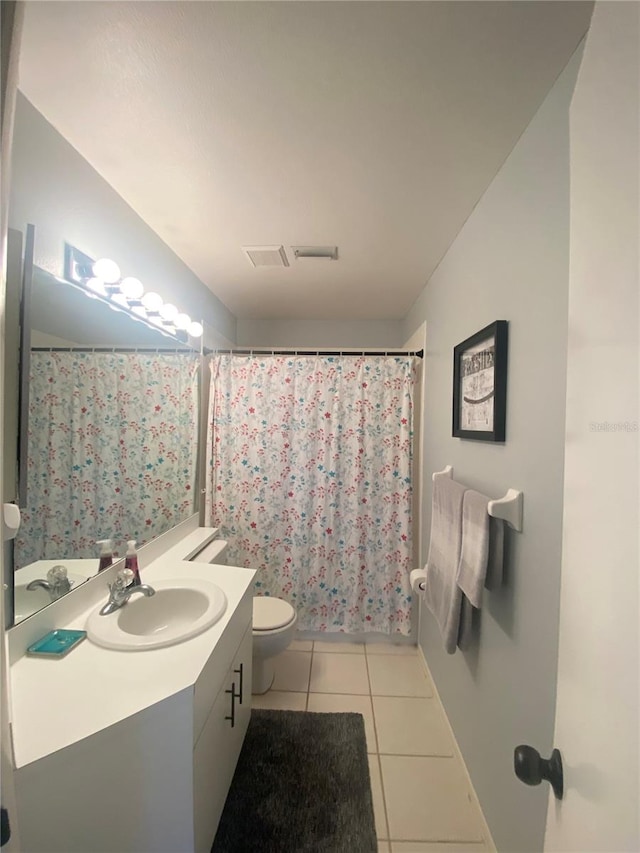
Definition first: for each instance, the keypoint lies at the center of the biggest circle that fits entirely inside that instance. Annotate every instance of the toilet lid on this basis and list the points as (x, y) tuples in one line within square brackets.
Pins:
[(270, 613)]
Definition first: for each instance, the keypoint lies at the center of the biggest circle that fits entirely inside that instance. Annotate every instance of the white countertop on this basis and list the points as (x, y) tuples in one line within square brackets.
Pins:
[(58, 702)]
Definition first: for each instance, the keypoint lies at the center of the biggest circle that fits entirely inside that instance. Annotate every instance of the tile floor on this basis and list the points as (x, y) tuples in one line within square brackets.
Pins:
[(421, 796)]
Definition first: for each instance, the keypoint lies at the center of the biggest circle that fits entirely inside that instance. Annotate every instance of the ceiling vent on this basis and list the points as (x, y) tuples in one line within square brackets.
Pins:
[(266, 256), (330, 252)]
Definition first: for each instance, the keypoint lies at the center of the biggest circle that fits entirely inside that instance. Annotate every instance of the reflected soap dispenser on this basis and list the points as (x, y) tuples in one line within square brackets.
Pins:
[(106, 554), (131, 562)]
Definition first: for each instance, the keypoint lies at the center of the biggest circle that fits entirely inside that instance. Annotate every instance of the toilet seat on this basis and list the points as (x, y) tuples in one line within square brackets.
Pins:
[(271, 614)]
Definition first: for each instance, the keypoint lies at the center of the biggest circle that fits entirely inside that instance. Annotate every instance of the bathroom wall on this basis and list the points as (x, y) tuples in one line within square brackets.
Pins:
[(509, 262), (320, 334), (58, 191)]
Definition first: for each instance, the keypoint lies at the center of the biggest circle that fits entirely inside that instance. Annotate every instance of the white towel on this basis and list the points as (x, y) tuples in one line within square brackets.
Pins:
[(443, 596), (481, 553)]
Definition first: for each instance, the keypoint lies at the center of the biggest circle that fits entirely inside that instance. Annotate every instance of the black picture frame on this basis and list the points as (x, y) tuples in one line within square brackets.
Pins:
[(480, 384)]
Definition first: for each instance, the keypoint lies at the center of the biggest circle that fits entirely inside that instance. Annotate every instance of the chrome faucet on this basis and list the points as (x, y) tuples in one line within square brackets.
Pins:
[(57, 583), (121, 590)]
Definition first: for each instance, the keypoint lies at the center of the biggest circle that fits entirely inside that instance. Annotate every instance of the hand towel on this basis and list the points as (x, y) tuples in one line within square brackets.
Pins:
[(495, 565), (443, 596), (478, 552), (465, 631)]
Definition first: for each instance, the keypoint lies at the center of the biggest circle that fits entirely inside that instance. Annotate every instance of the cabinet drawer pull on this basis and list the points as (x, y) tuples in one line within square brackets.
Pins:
[(233, 704), (239, 672)]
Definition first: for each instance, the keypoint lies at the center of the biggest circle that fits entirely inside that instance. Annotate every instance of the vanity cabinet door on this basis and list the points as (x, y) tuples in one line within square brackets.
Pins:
[(216, 752), (241, 675)]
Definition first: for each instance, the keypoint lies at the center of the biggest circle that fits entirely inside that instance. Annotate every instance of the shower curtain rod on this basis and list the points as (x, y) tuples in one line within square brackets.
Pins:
[(207, 351), (115, 349), (417, 353)]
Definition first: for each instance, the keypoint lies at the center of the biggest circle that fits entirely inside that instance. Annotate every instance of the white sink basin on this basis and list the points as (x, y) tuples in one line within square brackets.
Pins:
[(179, 609)]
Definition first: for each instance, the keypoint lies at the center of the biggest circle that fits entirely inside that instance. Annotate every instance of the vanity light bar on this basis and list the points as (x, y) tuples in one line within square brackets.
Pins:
[(103, 280)]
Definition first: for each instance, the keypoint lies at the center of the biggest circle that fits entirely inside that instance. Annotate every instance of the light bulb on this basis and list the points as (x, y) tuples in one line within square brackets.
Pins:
[(97, 285), (139, 310), (182, 321), (168, 311), (107, 270), (156, 319), (131, 287), (195, 330), (152, 301)]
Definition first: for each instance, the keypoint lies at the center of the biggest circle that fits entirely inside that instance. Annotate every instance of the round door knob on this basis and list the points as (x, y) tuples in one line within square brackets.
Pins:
[(532, 769)]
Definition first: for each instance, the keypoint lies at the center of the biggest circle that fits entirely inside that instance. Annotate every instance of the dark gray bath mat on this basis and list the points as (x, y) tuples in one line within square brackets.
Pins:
[(301, 786)]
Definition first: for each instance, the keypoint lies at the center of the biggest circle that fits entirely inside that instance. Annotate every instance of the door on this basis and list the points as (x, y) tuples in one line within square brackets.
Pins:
[(597, 699)]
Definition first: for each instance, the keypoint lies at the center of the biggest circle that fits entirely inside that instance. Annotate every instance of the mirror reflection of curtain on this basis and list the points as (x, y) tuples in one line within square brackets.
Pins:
[(309, 478), (112, 450)]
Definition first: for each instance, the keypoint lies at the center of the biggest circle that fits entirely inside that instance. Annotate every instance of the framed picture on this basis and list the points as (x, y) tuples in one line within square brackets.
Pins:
[(480, 384)]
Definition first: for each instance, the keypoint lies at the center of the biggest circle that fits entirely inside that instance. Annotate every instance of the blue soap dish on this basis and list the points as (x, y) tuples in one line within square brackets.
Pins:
[(56, 643)]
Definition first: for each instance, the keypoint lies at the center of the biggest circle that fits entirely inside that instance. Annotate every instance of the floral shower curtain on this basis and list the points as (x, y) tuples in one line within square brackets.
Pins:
[(309, 478), (112, 450)]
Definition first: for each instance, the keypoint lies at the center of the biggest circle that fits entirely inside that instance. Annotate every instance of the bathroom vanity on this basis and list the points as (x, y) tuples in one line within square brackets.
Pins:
[(133, 751)]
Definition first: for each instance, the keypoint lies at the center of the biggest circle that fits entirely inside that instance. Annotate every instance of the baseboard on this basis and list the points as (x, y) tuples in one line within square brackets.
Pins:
[(368, 638), (486, 832)]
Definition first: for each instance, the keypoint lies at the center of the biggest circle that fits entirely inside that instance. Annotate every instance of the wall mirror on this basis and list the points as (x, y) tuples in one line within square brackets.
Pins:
[(112, 451)]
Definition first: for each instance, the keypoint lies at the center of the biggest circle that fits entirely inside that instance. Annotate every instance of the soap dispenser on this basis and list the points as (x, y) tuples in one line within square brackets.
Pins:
[(106, 554), (131, 562)]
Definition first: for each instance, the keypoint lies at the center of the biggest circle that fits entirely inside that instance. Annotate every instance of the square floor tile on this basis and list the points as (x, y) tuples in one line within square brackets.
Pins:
[(437, 847), (391, 649), (411, 726), (427, 799), (398, 676), (383, 847), (280, 700), (378, 799), (337, 702), (339, 673), (292, 671), (338, 648), (300, 646)]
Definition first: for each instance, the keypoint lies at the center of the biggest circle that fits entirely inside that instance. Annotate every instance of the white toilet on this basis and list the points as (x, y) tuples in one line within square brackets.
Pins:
[(274, 623)]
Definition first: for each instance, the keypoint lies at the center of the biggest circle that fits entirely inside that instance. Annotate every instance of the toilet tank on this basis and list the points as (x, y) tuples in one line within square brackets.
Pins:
[(214, 552)]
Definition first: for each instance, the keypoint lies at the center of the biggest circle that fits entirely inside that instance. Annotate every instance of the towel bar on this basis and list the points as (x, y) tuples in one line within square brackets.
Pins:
[(508, 508)]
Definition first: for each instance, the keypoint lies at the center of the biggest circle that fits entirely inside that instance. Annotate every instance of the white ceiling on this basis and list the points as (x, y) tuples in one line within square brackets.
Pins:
[(375, 126)]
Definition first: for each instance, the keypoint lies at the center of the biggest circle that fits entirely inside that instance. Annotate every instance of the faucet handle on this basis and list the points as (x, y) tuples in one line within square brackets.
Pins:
[(60, 583), (122, 581), (57, 574)]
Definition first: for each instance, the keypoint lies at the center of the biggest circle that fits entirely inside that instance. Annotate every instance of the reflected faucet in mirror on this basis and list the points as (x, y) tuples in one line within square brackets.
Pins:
[(28, 599), (57, 583)]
